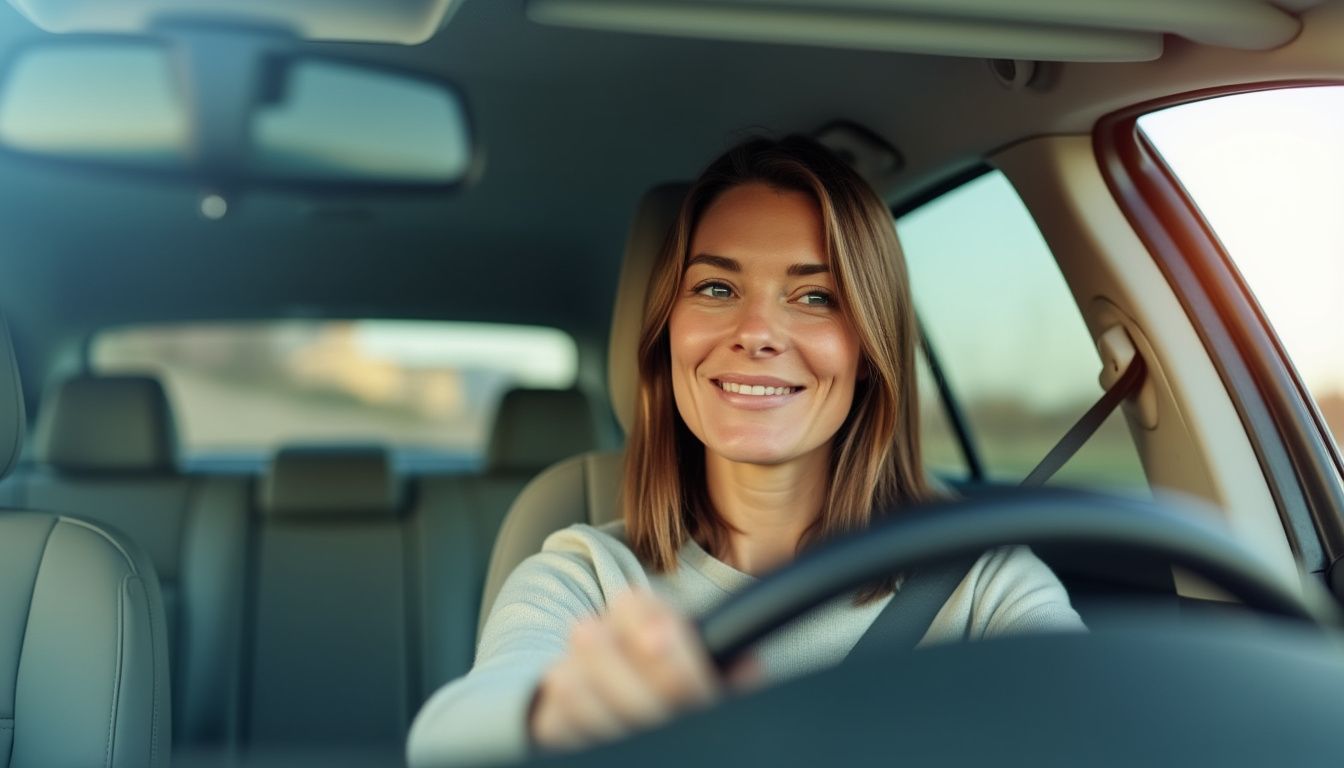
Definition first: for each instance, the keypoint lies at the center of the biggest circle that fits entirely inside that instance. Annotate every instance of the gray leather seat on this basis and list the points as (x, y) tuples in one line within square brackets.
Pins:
[(105, 449), (458, 516), (366, 588), (83, 641), (331, 635), (586, 488)]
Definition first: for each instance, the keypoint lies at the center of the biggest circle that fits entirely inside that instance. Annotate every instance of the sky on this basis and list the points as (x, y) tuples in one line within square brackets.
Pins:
[(992, 299), (1267, 171)]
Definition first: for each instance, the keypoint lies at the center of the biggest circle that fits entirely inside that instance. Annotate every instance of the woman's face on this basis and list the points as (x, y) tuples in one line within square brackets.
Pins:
[(763, 358)]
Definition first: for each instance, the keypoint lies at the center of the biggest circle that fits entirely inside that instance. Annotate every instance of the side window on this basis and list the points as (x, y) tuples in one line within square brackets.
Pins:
[(944, 455), (1009, 339), (1264, 168)]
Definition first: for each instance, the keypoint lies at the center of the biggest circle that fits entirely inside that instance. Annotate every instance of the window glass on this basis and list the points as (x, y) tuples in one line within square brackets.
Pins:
[(943, 453), (1008, 335), (1264, 169), (247, 388)]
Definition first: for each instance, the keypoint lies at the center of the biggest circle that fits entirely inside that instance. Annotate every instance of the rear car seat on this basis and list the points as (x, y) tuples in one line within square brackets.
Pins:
[(105, 450), (330, 646)]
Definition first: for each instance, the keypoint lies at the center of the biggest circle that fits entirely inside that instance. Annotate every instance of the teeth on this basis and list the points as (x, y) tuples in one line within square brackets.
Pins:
[(755, 391)]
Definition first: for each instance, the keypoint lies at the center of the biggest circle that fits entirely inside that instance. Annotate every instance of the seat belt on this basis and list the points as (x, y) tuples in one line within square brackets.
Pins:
[(1128, 384), (904, 620)]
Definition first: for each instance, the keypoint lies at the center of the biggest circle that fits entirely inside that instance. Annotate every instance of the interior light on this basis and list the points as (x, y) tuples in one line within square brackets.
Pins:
[(214, 207)]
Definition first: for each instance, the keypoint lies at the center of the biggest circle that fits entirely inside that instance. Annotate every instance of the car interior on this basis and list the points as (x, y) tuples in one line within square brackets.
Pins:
[(194, 571)]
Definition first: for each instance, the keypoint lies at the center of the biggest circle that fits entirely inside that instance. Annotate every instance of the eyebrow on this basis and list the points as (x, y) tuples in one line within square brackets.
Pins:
[(803, 270), (722, 262), (733, 265)]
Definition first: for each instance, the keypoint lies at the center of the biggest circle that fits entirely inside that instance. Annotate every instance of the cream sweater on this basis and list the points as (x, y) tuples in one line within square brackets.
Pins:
[(482, 717)]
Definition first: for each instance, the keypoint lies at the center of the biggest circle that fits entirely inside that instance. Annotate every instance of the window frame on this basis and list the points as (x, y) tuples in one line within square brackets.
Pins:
[(1302, 466), (956, 417)]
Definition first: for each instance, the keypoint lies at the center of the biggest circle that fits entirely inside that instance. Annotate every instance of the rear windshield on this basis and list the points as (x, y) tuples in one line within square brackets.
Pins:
[(430, 389)]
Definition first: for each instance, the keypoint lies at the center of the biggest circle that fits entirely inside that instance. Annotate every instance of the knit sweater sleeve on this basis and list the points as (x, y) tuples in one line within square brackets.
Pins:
[(482, 717), (1008, 591)]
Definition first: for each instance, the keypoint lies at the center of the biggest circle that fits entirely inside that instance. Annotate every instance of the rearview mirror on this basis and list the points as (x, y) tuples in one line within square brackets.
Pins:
[(330, 120), (228, 109)]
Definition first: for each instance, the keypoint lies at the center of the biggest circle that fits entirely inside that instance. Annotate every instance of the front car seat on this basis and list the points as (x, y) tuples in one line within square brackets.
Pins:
[(587, 488), (83, 641)]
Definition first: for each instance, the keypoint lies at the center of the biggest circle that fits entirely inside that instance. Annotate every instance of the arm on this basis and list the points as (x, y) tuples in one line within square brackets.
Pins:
[(483, 716), (1017, 593), (1007, 591)]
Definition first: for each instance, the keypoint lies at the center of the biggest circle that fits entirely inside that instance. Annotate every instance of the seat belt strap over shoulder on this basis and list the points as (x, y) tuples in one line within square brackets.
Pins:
[(903, 622), (1118, 355)]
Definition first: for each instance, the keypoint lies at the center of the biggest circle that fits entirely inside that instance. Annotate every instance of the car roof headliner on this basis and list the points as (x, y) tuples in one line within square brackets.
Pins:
[(575, 126)]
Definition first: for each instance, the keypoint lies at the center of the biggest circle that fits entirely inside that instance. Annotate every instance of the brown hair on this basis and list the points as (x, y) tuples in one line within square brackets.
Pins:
[(875, 459)]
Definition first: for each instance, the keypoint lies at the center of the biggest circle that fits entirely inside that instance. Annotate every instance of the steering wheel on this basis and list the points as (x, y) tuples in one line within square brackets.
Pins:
[(920, 536)]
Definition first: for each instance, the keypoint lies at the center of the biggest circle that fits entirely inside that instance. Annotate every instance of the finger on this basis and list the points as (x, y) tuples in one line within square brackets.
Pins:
[(623, 685), (567, 714), (646, 636), (615, 676), (746, 674), (665, 649), (578, 716), (588, 709), (689, 655), (551, 728)]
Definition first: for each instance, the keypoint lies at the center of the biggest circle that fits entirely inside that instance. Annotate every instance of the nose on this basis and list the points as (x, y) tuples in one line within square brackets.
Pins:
[(759, 332)]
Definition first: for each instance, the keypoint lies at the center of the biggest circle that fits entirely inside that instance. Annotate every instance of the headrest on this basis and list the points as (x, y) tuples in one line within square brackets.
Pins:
[(12, 419), (535, 428), (313, 482), (656, 213), (107, 423)]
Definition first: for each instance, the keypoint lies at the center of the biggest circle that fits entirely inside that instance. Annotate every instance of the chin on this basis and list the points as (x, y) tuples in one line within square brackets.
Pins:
[(763, 458), (756, 449)]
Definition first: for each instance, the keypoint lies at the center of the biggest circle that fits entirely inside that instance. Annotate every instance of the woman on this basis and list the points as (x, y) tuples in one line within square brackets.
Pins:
[(776, 408)]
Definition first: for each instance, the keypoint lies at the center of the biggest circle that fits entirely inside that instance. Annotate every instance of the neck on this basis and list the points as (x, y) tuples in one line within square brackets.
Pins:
[(767, 507)]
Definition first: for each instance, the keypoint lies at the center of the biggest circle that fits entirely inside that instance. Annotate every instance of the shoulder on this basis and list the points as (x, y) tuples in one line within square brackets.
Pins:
[(1016, 592), (1004, 566), (577, 572), (599, 550), (609, 536), (580, 564), (1008, 590)]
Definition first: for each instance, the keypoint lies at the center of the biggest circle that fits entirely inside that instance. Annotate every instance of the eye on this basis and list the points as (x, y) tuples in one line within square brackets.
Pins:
[(714, 290), (817, 299)]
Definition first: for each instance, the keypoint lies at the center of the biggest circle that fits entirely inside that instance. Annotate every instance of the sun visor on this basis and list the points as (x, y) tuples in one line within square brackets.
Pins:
[(408, 22), (1039, 30)]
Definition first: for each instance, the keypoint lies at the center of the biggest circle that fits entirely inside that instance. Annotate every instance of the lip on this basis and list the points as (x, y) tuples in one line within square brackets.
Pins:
[(754, 402), (754, 381)]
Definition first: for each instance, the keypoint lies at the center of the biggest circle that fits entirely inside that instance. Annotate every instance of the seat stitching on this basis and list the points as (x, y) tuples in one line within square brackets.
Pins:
[(28, 615), (130, 561), (154, 678), (116, 674)]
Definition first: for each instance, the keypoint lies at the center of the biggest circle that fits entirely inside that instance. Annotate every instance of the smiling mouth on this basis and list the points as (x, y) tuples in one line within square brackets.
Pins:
[(756, 390)]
